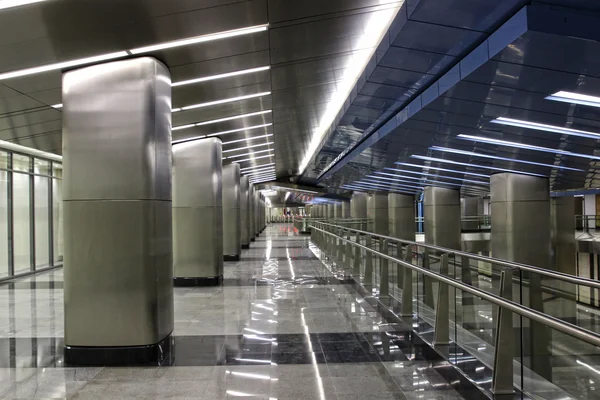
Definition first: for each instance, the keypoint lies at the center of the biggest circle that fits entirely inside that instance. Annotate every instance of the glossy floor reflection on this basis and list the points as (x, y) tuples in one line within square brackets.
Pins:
[(281, 327)]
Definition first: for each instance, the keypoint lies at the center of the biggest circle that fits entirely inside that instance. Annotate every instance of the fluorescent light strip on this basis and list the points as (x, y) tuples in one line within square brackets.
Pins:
[(264, 180), (412, 185), (200, 39), (426, 175), (575, 98), (221, 76), (248, 139), (248, 147), (215, 121), (249, 154), (57, 106), (525, 146), (434, 168), (438, 183), (442, 160), (16, 3), (260, 172), (422, 180), (261, 176), (188, 139), (252, 158), (177, 128), (257, 166), (473, 154), (249, 128), (222, 101), (361, 187), (546, 128)]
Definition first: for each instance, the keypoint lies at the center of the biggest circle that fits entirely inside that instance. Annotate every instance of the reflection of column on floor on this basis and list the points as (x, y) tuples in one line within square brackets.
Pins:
[(521, 233)]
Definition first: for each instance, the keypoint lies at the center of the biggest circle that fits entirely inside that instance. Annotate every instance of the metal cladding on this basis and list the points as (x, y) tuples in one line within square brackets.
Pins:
[(471, 207), (441, 212), (563, 240), (377, 214), (521, 214), (257, 207), (337, 211), (118, 255), (232, 224), (346, 210), (330, 211), (251, 212), (244, 211), (358, 205), (197, 209), (402, 216)]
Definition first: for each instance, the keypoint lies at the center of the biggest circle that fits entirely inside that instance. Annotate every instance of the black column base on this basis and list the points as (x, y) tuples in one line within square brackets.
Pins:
[(252, 240), (245, 246), (205, 281), (161, 353), (231, 258)]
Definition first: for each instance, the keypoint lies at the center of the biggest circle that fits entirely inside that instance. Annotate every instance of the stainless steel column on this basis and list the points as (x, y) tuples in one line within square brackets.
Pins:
[(402, 216), (358, 205), (377, 214), (198, 213), (232, 222), (563, 238), (441, 212), (337, 211), (251, 213), (330, 211), (256, 212), (118, 254), (244, 211), (521, 232), (346, 210), (471, 207)]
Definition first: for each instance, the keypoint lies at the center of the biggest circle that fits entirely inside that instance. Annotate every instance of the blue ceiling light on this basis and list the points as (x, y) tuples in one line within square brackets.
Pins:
[(575, 98), (442, 160), (428, 177), (473, 154), (434, 168)]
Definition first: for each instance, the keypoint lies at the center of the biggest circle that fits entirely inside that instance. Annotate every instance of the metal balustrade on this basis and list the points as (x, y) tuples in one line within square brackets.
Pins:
[(513, 318)]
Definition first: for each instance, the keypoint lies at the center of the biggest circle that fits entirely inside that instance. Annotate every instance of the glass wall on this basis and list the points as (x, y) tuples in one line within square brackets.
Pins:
[(30, 213)]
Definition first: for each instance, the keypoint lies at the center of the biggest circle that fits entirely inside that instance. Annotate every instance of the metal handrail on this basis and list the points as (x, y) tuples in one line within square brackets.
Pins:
[(509, 264)]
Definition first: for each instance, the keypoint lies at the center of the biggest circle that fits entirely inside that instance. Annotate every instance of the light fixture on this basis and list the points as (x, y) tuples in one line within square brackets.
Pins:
[(257, 166), (423, 179), (249, 128), (575, 98), (263, 180), (443, 160), (177, 128), (434, 168), (362, 187), (388, 184), (222, 101), (248, 139), (546, 128), (473, 154), (57, 106), (61, 65), (261, 171), (215, 121), (252, 158), (247, 147), (249, 154), (191, 139), (220, 76), (371, 35), (261, 176), (525, 146), (200, 39), (16, 3), (429, 177)]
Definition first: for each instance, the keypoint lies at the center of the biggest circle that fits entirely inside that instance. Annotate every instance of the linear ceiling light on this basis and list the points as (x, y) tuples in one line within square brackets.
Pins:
[(254, 177), (57, 106), (252, 158), (413, 185), (371, 35), (222, 101), (575, 98), (257, 166), (220, 76), (430, 177), (200, 39), (249, 154), (220, 120), (525, 146), (249, 128), (264, 180), (442, 160), (361, 186), (546, 128), (248, 139), (260, 172), (434, 168), (247, 147), (16, 3), (473, 154)]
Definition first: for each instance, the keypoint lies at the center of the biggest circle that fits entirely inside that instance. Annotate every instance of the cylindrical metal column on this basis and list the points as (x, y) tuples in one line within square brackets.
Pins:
[(337, 211), (118, 252), (251, 213), (377, 214), (197, 204), (471, 207), (441, 211), (346, 210), (330, 211), (358, 205), (244, 212), (402, 216), (232, 223), (256, 212)]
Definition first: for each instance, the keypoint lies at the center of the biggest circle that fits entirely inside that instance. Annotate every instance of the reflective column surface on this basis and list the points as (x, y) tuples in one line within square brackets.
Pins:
[(283, 326)]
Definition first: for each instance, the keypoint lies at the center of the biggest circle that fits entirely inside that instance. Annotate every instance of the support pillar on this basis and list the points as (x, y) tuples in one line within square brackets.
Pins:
[(251, 213), (441, 212), (358, 205), (118, 268), (337, 211), (471, 207), (330, 211), (197, 204), (346, 210), (244, 212), (377, 214), (232, 228), (402, 216)]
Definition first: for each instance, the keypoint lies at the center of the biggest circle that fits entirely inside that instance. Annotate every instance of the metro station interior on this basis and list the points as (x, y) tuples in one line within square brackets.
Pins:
[(300, 199)]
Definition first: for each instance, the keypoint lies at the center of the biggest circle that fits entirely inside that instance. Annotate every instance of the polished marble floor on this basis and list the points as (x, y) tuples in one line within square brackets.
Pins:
[(282, 326)]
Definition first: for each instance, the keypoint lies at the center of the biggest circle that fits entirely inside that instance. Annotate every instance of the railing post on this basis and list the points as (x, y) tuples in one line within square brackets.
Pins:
[(407, 285), (348, 256), (384, 278), (369, 261), (399, 268), (340, 242), (502, 376), (357, 258), (442, 310)]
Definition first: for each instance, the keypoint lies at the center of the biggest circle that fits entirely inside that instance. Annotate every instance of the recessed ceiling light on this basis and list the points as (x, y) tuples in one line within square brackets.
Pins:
[(247, 147), (545, 128), (223, 101), (372, 182), (248, 139), (362, 187), (265, 180), (16, 3), (262, 176), (253, 158), (57, 106), (200, 39), (575, 98), (443, 160), (249, 128), (260, 171), (248, 154), (433, 168), (220, 76), (257, 166), (473, 154), (525, 146), (214, 121), (191, 139), (177, 128), (426, 178)]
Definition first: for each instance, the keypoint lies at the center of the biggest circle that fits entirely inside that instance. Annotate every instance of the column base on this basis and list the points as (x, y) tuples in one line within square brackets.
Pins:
[(245, 246), (252, 240), (231, 258), (204, 281), (160, 353)]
